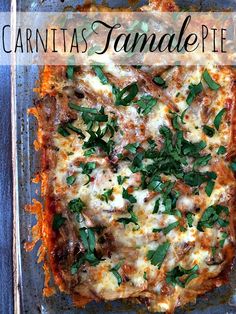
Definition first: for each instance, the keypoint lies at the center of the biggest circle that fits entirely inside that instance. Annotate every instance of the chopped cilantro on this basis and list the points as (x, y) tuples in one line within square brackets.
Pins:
[(106, 195), (210, 82), (218, 118), (177, 276), (189, 217), (157, 256), (146, 103), (233, 165), (167, 229), (115, 272), (132, 219), (159, 81), (121, 179), (70, 180), (221, 150), (224, 236), (126, 95), (132, 147), (194, 90), (63, 131), (127, 196), (209, 131), (76, 205), (99, 72), (58, 221), (212, 215)]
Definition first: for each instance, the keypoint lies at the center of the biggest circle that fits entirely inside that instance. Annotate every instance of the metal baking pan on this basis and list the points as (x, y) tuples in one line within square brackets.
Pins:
[(28, 275)]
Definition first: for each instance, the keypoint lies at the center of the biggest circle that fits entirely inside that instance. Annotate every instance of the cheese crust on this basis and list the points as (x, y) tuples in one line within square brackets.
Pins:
[(138, 190)]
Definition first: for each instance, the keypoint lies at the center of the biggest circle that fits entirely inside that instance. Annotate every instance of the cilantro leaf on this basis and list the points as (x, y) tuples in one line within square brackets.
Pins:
[(132, 147), (177, 276), (212, 215), (70, 180), (107, 194), (98, 70), (63, 131), (167, 229), (115, 272), (127, 196), (233, 165), (132, 219), (76, 130), (58, 221), (159, 81), (121, 179), (126, 95), (221, 150), (209, 131), (218, 118), (209, 187), (210, 82), (157, 256), (146, 103), (76, 205), (194, 91), (190, 219)]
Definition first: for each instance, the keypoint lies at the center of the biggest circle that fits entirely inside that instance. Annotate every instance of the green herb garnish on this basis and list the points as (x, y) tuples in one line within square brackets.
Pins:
[(87, 168), (114, 270), (58, 221), (157, 256), (233, 165), (212, 215), (132, 147), (159, 81), (76, 130), (70, 180), (177, 276), (99, 72), (132, 219), (129, 197), (156, 206), (146, 103), (189, 217), (107, 194), (167, 229), (89, 152), (208, 130), (63, 131), (76, 205), (224, 236), (126, 95), (121, 179), (221, 150), (218, 118), (70, 68), (210, 82), (209, 187), (194, 91)]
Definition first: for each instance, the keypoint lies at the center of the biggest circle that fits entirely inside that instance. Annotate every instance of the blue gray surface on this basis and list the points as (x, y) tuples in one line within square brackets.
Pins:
[(6, 284)]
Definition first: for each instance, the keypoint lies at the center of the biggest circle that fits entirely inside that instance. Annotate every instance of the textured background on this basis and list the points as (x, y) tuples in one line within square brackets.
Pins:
[(6, 285)]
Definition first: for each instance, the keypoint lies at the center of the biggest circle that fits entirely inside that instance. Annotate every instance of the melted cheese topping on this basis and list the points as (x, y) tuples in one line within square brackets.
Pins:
[(130, 243)]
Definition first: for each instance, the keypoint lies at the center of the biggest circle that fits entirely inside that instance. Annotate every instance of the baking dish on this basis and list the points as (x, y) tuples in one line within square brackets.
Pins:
[(28, 274)]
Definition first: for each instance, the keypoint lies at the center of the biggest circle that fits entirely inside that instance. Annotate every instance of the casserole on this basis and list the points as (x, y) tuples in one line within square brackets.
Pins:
[(31, 190)]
